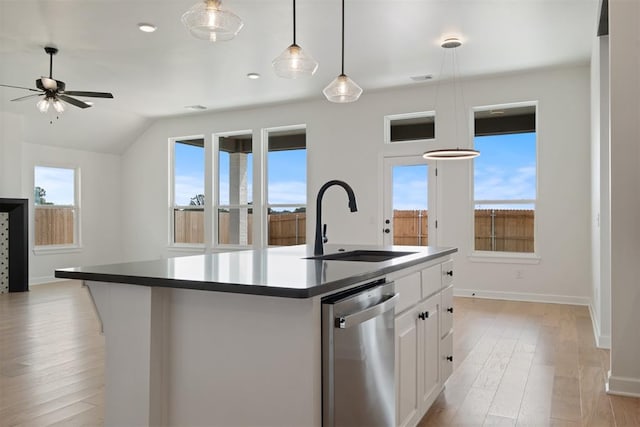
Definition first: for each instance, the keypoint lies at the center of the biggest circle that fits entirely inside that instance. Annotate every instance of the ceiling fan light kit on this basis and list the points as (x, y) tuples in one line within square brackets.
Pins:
[(55, 92), (342, 89), (451, 153), (294, 62), (206, 20)]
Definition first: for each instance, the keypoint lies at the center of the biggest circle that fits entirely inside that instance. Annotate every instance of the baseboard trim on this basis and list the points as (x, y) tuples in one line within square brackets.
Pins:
[(35, 281), (521, 296), (623, 386), (602, 341)]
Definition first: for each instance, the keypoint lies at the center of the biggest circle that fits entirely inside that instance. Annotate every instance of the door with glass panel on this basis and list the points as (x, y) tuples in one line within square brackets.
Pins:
[(409, 202)]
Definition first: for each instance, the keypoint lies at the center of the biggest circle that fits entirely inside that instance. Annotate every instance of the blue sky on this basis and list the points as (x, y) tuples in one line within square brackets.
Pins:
[(57, 182), (505, 170)]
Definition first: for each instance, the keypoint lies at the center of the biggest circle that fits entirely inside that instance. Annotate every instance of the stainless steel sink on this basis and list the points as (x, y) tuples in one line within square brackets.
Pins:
[(362, 256)]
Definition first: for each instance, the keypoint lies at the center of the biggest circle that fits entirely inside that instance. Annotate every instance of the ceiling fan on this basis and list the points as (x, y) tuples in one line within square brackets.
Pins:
[(53, 91)]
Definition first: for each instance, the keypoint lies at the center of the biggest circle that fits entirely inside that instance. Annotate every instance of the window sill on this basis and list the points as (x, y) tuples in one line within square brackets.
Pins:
[(505, 257), (52, 250), (186, 248)]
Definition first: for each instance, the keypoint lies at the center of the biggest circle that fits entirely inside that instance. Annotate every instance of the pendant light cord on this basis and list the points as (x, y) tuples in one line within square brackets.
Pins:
[(342, 70), (294, 21)]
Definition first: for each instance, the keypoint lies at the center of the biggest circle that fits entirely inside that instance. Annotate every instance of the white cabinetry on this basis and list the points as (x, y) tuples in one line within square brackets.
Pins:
[(423, 339)]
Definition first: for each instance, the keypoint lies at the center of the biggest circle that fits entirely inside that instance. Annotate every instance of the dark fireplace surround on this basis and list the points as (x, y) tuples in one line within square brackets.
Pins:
[(18, 210)]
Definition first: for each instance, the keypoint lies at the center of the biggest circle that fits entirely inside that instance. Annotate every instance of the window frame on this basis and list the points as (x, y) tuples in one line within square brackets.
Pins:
[(404, 116), (264, 232), (172, 185), (504, 256), (76, 246)]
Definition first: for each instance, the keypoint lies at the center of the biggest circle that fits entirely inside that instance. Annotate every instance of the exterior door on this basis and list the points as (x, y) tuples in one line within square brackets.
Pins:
[(409, 202)]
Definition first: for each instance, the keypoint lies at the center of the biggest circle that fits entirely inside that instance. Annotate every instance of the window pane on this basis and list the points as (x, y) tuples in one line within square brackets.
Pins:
[(503, 228), (506, 167), (54, 226), (234, 226), (189, 172), (412, 129), (235, 170), (188, 226), (287, 166), (287, 226), (410, 206), (54, 186)]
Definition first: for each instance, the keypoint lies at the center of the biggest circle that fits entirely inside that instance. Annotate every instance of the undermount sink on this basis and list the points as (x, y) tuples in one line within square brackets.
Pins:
[(362, 256)]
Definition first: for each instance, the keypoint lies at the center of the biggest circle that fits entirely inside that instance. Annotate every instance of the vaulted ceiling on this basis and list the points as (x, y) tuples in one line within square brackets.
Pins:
[(159, 74)]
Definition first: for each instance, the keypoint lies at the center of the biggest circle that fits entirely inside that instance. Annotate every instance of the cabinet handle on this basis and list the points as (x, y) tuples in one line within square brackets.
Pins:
[(450, 309), (450, 273), (424, 315), (450, 358)]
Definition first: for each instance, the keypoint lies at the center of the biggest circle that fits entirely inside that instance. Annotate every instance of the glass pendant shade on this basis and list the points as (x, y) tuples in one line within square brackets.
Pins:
[(58, 105), (451, 154), (43, 105), (206, 20), (342, 89), (294, 63)]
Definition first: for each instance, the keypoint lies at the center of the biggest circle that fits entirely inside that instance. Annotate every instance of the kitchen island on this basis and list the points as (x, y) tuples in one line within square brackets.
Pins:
[(234, 338)]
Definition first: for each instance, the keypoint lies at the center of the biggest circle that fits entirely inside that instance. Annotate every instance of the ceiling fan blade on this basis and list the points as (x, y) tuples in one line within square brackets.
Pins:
[(22, 98), (74, 101), (20, 87), (89, 94)]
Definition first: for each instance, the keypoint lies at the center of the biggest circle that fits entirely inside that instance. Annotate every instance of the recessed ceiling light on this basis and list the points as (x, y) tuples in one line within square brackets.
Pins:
[(253, 76), (147, 28), (421, 78), (196, 107)]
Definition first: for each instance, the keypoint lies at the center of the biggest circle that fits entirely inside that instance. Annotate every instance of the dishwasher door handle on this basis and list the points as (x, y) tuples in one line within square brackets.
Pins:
[(368, 313)]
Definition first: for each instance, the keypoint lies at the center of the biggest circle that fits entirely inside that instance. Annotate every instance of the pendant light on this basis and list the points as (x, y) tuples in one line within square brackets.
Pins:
[(206, 20), (452, 153), (342, 89), (293, 62)]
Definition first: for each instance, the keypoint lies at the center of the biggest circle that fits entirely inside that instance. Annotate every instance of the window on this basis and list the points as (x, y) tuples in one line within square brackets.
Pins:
[(286, 186), (188, 191), (410, 127), (234, 209), (505, 179), (56, 206)]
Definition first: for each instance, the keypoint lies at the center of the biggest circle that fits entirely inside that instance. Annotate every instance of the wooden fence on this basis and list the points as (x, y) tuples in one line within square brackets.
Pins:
[(53, 226), (495, 229)]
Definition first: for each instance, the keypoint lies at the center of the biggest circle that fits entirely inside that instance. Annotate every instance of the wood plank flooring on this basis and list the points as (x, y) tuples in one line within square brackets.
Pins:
[(524, 364)]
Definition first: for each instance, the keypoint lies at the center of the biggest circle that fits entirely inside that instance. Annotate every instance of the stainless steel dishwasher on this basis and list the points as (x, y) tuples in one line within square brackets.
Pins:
[(358, 387)]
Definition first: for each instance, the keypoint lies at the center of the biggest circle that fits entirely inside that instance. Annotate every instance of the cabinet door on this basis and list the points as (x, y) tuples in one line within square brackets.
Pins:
[(430, 353), (446, 322), (407, 398), (446, 357)]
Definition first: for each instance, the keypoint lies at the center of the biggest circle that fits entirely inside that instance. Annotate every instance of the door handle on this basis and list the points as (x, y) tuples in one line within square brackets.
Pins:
[(386, 230), (362, 316)]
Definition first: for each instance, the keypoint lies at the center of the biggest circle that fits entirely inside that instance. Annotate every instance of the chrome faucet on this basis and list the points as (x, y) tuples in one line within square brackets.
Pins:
[(321, 231)]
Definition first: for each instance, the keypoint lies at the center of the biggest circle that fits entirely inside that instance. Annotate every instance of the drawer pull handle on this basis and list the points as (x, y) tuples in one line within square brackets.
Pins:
[(450, 309), (450, 358), (450, 273)]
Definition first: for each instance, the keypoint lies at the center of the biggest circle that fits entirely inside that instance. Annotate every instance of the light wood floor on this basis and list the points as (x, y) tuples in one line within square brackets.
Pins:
[(515, 363)]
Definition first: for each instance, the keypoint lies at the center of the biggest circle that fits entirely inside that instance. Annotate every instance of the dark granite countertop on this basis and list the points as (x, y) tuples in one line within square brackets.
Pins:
[(280, 272)]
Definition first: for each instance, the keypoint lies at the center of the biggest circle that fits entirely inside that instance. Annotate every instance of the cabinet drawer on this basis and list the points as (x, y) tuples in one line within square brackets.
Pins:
[(409, 289), (446, 357), (446, 318), (431, 280), (447, 273)]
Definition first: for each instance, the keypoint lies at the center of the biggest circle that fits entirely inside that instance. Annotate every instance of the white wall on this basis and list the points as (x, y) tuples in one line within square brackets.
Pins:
[(624, 53), (600, 193), (11, 139), (346, 142), (100, 208)]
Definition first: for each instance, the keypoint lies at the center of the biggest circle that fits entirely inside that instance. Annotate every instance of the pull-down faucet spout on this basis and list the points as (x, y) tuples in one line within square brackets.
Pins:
[(321, 233)]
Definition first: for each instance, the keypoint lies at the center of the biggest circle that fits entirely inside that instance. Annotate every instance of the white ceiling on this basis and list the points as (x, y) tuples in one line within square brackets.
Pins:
[(155, 75)]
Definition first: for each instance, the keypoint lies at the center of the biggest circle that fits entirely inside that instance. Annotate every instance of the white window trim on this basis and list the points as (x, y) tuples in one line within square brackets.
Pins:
[(497, 256), (76, 246), (402, 116), (171, 244)]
